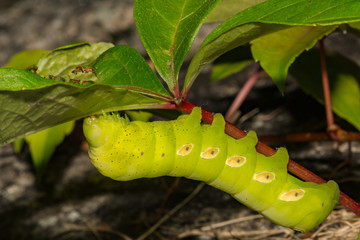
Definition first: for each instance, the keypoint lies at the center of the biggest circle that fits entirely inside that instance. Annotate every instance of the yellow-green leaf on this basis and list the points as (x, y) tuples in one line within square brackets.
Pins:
[(277, 51), (26, 59), (42, 144)]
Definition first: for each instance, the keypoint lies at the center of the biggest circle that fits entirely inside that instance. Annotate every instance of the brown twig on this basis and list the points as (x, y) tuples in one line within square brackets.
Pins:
[(242, 95), (231, 221), (97, 229), (256, 234), (293, 167), (172, 212), (340, 224), (169, 192)]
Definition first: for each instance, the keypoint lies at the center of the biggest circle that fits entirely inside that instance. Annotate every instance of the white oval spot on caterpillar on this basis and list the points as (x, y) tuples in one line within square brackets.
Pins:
[(235, 161), (264, 177), (292, 195), (210, 153), (185, 149)]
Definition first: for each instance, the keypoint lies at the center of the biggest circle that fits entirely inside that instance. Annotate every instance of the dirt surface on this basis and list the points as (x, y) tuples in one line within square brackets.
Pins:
[(73, 201)]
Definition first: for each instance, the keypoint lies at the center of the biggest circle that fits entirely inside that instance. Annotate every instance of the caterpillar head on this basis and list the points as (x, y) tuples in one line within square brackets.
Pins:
[(99, 129)]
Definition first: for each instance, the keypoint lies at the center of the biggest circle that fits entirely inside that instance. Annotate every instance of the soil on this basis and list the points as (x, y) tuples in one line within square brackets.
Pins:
[(74, 201)]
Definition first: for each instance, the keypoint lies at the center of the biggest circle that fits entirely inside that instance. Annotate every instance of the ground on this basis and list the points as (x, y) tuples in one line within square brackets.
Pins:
[(73, 201)]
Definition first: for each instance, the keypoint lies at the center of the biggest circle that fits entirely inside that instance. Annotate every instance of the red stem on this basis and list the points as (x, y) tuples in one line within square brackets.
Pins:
[(177, 92), (342, 136), (242, 95), (293, 167), (331, 127)]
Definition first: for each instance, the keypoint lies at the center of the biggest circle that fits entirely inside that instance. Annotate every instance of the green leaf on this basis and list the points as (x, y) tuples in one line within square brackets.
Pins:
[(62, 61), (35, 103), (354, 28), (265, 18), (277, 51), (355, 25), (208, 52), (230, 63), (18, 144), (71, 46), (123, 66), (42, 144), (344, 78), (15, 79), (228, 8), (167, 29), (26, 59)]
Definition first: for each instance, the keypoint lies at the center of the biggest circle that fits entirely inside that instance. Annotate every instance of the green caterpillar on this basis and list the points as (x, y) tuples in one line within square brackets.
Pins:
[(124, 150)]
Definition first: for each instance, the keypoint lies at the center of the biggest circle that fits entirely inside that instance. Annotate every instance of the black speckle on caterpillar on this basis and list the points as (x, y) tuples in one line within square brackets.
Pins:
[(185, 148)]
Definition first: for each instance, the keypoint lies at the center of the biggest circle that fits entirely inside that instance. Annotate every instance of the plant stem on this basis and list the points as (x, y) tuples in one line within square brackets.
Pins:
[(293, 167), (342, 136), (331, 127), (242, 95)]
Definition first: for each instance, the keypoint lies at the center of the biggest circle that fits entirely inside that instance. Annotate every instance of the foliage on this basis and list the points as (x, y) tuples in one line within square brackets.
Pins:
[(82, 79), (123, 80)]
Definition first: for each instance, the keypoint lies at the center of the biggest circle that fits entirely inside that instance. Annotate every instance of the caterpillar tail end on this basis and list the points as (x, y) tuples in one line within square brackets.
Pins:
[(303, 212), (317, 217)]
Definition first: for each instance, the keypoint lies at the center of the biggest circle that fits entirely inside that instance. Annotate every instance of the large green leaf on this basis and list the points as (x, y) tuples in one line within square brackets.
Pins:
[(29, 103), (67, 62), (42, 144), (277, 51), (228, 8), (62, 61), (344, 78), (123, 66), (167, 29), (265, 18)]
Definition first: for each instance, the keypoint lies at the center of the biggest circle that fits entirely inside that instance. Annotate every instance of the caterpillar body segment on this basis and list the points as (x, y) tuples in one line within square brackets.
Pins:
[(266, 181), (125, 150)]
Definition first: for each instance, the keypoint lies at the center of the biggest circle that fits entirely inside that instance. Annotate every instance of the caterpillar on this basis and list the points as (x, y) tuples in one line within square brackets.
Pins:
[(124, 150)]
